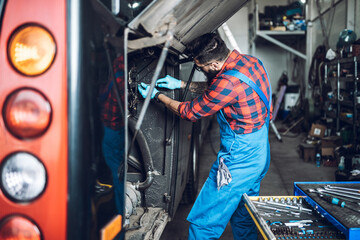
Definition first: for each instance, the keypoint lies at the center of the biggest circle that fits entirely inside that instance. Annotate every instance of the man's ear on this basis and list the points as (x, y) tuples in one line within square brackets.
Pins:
[(216, 65)]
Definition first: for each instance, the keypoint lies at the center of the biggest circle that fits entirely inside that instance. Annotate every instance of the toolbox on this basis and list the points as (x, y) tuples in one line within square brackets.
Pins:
[(346, 218), (310, 214)]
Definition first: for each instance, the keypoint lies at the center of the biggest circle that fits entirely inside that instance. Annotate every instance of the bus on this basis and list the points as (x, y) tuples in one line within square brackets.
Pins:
[(71, 165)]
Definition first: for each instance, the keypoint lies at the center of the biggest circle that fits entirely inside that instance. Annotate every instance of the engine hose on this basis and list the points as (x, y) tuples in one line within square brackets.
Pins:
[(146, 155)]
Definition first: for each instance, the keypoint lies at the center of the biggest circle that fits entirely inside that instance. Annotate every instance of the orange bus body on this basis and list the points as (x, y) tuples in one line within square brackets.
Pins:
[(49, 210)]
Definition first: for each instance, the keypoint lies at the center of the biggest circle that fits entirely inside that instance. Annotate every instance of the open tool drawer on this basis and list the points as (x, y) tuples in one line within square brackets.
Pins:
[(289, 217), (345, 217)]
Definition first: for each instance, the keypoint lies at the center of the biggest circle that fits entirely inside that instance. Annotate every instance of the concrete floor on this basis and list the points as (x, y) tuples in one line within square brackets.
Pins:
[(286, 167)]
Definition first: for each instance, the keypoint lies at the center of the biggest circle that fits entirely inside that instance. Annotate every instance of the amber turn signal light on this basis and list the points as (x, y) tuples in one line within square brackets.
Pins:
[(31, 50), (27, 113)]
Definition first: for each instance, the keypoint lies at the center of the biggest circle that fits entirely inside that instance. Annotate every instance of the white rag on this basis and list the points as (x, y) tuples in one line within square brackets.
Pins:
[(223, 174)]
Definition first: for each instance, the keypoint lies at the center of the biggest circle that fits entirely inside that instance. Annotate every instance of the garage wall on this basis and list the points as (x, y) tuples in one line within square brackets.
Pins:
[(334, 20), (239, 28)]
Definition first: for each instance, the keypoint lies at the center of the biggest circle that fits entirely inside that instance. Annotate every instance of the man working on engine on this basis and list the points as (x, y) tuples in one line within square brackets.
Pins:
[(239, 93)]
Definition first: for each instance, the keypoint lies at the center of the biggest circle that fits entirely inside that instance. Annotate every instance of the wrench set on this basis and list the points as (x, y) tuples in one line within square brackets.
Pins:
[(289, 217), (339, 202)]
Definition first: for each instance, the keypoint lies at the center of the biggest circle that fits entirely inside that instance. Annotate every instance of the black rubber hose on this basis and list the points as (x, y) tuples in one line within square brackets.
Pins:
[(146, 155)]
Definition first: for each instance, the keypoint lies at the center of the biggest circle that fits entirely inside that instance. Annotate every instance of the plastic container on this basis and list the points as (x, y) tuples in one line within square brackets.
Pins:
[(318, 159), (342, 163)]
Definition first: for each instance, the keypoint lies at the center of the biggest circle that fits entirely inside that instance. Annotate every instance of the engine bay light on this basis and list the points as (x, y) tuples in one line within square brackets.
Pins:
[(23, 177), (17, 227)]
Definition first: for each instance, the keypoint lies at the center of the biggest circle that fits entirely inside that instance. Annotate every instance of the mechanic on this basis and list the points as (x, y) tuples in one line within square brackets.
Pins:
[(113, 128), (239, 93)]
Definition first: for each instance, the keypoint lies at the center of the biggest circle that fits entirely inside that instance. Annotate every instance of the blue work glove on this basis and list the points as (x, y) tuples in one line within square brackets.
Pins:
[(144, 90), (168, 82)]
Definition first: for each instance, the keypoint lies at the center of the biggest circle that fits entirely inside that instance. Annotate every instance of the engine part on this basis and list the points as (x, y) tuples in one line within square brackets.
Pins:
[(132, 200), (145, 152)]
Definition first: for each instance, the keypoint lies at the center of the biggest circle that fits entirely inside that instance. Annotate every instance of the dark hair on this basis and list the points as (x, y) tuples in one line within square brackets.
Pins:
[(208, 47)]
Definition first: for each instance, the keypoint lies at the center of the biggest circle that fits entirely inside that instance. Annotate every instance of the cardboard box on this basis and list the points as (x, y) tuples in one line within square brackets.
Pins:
[(308, 152), (317, 130), (332, 141), (327, 151)]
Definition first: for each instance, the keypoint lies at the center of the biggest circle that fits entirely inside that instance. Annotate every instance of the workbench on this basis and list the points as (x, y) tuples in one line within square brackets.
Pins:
[(307, 215)]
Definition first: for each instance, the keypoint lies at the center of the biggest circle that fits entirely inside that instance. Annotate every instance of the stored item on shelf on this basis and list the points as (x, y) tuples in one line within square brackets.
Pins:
[(317, 130)]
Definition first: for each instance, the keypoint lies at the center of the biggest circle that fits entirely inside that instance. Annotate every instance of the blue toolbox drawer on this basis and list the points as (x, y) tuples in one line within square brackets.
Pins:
[(289, 217), (338, 202)]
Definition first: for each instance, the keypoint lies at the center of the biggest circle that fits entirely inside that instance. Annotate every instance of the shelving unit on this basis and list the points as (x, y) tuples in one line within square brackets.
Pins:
[(342, 75), (272, 36)]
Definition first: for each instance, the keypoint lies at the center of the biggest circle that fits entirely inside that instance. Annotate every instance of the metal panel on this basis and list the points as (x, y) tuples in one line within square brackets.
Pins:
[(193, 18)]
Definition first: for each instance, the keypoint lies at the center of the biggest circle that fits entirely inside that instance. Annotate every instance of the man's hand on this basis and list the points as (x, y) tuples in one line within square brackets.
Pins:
[(144, 90), (168, 82)]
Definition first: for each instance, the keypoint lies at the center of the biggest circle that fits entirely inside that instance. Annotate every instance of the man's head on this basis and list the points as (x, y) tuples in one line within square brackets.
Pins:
[(209, 52)]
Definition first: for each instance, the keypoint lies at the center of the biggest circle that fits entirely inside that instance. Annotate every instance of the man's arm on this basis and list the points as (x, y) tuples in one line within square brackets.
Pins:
[(171, 104), (196, 87)]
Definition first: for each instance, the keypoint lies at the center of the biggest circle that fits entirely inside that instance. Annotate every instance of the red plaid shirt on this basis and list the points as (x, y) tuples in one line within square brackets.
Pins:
[(242, 106), (110, 111)]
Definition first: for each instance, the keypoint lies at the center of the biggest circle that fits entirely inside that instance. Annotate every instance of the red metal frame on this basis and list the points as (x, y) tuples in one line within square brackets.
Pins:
[(49, 211)]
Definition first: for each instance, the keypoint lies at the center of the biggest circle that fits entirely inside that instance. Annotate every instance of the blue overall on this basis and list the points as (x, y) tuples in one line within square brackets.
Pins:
[(113, 151), (247, 158)]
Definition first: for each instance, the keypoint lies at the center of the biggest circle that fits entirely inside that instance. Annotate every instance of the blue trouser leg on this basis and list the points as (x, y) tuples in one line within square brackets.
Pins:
[(242, 225), (214, 208), (113, 154)]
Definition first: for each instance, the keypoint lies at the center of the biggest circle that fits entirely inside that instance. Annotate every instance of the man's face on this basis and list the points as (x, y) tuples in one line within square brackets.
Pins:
[(208, 69)]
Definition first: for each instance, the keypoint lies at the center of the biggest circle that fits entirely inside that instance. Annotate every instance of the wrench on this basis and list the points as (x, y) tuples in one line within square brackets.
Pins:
[(343, 188), (342, 191), (337, 193)]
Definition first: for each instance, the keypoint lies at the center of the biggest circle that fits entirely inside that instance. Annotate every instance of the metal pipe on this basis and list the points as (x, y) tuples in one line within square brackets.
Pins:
[(158, 68), (147, 159), (141, 186)]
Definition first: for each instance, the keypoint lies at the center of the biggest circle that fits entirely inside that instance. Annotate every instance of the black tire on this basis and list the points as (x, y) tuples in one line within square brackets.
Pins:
[(192, 185)]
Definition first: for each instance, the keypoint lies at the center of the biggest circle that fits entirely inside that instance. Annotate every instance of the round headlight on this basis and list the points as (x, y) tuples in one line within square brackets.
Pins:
[(31, 50), (27, 113), (18, 227), (23, 177)]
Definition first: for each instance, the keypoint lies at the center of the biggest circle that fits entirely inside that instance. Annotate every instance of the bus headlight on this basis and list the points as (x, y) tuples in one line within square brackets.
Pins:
[(31, 50), (23, 177), (18, 227), (27, 113)]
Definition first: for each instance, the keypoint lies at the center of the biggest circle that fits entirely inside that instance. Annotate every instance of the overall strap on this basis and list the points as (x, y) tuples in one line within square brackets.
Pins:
[(253, 85)]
